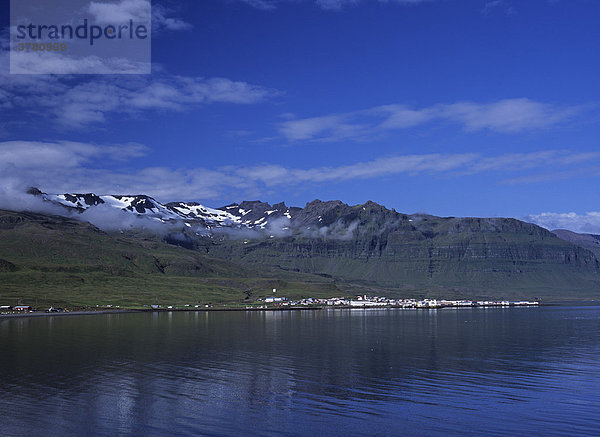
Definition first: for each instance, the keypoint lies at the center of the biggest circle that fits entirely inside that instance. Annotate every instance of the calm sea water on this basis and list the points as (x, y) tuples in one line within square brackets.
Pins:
[(514, 371)]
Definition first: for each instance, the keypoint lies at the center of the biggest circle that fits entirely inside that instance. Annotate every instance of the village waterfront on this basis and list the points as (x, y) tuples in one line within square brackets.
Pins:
[(271, 303)]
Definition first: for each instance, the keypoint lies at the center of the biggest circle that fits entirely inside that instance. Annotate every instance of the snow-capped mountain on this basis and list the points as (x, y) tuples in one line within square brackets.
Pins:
[(250, 215), (142, 205)]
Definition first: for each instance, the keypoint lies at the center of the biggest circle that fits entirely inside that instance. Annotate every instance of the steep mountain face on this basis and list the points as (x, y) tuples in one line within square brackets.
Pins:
[(371, 245), (587, 241)]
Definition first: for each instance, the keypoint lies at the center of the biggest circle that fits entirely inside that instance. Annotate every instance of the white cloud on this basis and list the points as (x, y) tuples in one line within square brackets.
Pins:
[(71, 166), (138, 11), (541, 159), (77, 102), (402, 117), (309, 128), (588, 222), (62, 155), (273, 175), (120, 11), (507, 116), (334, 5)]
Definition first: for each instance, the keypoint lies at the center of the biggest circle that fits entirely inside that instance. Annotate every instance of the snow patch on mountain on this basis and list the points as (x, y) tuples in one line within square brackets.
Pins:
[(248, 215)]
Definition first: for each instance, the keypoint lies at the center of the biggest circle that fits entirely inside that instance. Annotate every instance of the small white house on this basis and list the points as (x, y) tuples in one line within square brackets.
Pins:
[(274, 299)]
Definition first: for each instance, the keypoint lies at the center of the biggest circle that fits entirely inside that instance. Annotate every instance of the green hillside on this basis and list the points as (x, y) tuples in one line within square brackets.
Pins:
[(51, 260)]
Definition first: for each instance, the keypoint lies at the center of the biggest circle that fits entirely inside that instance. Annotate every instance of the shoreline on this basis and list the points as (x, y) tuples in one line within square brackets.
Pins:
[(132, 311), (283, 308), (274, 309)]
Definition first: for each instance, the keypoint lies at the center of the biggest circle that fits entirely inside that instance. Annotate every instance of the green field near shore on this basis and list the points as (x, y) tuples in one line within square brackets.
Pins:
[(42, 289)]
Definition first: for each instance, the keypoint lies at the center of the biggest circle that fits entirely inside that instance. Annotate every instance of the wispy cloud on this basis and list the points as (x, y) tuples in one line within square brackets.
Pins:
[(75, 102), (136, 10), (68, 166), (502, 6), (588, 222), (561, 175), (334, 5), (265, 5), (119, 11), (273, 175), (515, 162), (62, 155), (508, 116)]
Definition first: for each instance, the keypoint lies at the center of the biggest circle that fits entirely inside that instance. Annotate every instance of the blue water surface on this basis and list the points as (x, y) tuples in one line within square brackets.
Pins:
[(496, 371)]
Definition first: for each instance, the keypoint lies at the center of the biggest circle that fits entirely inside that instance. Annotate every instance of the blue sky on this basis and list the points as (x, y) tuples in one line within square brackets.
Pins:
[(450, 107)]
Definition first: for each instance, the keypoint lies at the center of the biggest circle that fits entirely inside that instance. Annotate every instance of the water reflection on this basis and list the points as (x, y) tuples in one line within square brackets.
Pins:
[(501, 371)]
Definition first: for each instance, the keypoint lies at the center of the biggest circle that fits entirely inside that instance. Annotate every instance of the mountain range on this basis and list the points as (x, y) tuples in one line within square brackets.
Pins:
[(328, 246)]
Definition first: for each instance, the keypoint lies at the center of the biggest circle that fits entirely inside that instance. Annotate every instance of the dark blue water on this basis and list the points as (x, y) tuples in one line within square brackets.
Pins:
[(512, 371)]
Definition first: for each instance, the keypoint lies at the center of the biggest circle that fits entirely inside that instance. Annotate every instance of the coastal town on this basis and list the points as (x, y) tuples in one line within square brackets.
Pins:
[(283, 303), (375, 301)]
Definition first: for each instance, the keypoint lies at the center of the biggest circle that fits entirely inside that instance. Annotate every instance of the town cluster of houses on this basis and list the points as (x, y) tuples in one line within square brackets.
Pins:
[(340, 302), (7, 309), (20, 308), (375, 301)]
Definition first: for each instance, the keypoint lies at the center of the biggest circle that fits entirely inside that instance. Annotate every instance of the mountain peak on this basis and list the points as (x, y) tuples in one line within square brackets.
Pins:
[(318, 202), (34, 191)]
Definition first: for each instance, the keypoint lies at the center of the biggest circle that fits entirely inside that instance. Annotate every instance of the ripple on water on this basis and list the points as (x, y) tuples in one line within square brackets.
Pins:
[(498, 372)]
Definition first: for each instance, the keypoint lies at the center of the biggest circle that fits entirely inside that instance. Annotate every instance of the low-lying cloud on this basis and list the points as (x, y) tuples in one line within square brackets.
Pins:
[(15, 198)]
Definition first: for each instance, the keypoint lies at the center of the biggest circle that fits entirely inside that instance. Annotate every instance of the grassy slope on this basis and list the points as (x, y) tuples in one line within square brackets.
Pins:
[(51, 260)]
